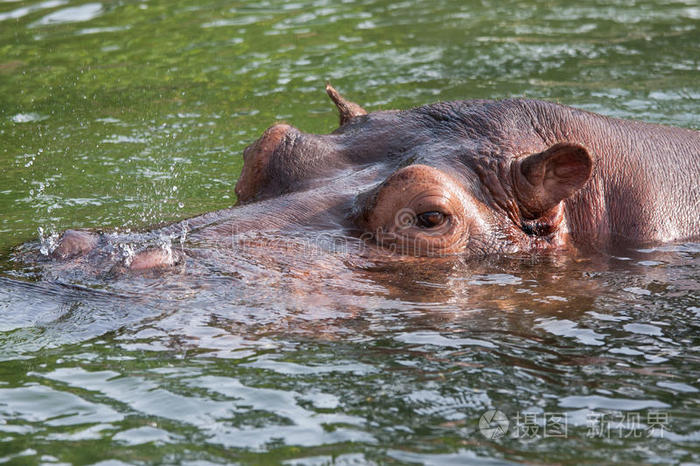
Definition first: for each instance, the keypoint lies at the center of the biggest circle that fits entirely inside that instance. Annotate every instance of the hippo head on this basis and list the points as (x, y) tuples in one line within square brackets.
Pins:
[(460, 178)]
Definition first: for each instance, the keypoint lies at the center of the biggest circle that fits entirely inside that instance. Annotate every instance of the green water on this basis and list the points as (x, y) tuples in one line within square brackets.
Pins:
[(129, 114)]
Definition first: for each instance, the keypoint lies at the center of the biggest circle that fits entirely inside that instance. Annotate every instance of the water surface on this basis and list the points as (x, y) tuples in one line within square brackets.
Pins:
[(122, 115)]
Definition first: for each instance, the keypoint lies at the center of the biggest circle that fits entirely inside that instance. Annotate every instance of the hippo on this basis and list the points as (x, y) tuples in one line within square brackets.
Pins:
[(466, 178)]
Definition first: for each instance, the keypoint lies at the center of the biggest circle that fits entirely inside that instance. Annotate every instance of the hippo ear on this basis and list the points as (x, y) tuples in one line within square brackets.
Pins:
[(543, 180), (347, 110)]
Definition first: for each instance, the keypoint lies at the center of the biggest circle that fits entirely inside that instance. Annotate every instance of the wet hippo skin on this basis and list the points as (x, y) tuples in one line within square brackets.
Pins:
[(468, 178)]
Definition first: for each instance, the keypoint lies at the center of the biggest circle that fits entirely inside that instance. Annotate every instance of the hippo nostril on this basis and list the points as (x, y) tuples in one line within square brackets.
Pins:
[(74, 243)]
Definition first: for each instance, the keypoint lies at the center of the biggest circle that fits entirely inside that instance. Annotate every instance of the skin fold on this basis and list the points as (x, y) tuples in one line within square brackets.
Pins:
[(465, 178)]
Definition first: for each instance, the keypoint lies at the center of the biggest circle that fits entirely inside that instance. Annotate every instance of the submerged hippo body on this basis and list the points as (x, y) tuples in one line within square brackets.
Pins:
[(467, 178)]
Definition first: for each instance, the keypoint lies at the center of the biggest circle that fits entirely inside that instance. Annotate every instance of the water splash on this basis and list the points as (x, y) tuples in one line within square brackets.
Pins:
[(166, 245), (183, 234), (127, 253), (48, 241)]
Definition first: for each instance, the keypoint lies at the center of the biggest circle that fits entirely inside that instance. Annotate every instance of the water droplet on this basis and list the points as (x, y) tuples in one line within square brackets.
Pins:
[(47, 241)]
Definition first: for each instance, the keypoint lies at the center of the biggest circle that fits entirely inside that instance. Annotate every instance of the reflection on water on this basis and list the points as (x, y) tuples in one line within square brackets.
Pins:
[(285, 354), (133, 113)]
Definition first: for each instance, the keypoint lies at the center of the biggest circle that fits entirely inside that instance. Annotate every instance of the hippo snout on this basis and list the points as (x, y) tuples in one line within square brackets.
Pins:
[(74, 243), (257, 158)]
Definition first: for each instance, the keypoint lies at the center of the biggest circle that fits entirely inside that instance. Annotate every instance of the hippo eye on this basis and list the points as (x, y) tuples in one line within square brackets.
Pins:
[(430, 219)]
